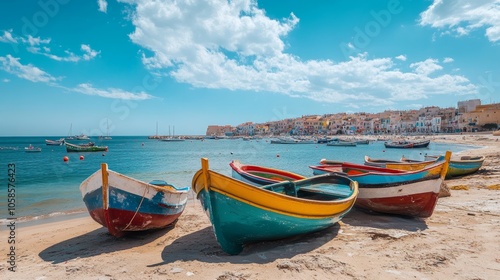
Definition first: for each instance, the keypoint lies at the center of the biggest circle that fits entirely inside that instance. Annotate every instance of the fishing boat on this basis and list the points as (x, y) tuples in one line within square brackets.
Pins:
[(398, 164), (54, 142), (362, 141), (461, 166), (89, 147), (32, 149), (241, 213), (342, 143), (291, 140), (123, 204), (408, 193), (261, 176), (407, 144)]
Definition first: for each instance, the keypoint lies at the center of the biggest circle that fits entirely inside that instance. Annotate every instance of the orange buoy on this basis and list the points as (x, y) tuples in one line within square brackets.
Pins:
[(65, 158), (81, 157)]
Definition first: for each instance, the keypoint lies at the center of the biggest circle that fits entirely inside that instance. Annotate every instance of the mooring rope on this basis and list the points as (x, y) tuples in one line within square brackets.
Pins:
[(138, 207)]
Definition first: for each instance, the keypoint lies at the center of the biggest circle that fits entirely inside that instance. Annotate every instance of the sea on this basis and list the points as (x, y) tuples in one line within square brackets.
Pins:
[(46, 185)]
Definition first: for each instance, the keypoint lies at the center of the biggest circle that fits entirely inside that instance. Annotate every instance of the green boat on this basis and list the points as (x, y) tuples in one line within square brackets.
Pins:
[(90, 147)]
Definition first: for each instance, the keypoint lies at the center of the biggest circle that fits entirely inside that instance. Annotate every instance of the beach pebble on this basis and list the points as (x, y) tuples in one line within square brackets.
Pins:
[(176, 270)]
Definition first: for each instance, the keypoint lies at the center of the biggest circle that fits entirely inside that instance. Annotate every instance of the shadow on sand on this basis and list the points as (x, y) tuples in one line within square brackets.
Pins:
[(366, 218), (98, 242), (202, 246)]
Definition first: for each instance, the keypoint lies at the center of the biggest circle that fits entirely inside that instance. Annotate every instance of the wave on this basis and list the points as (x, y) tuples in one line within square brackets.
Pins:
[(42, 218)]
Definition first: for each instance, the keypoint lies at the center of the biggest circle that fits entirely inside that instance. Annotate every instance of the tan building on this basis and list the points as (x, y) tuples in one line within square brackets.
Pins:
[(481, 116)]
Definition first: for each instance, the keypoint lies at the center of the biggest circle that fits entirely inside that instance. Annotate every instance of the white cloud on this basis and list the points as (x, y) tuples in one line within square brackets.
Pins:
[(71, 57), (88, 52), (38, 45), (7, 37), (32, 73), (111, 93), (448, 60), (35, 41), (103, 5), (29, 72), (426, 67), (234, 45), (463, 16), (401, 57)]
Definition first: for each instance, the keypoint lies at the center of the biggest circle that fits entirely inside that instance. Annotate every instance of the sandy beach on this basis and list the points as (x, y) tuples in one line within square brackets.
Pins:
[(461, 240)]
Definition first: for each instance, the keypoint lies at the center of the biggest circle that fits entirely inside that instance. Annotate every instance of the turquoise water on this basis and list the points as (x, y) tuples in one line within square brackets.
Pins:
[(45, 184)]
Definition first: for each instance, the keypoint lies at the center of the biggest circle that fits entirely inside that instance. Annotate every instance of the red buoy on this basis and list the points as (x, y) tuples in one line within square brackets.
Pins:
[(65, 158), (81, 157)]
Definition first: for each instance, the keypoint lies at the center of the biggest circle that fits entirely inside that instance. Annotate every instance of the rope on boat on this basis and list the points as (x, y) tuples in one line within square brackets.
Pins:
[(138, 207)]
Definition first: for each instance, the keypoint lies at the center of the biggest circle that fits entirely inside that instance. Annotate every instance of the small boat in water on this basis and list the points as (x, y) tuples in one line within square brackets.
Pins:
[(54, 142), (32, 149), (291, 140), (407, 144), (342, 143), (242, 213), (89, 147), (82, 137), (122, 204)]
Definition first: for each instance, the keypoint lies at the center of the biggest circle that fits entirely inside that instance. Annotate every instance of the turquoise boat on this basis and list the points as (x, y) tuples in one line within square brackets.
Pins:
[(241, 213)]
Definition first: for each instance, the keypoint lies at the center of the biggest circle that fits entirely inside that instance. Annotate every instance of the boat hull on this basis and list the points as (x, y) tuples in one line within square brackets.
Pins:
[(417, 199), (465, 165), (241, 213), (127, 204), (71, 148), (408, 193), (407, 145)]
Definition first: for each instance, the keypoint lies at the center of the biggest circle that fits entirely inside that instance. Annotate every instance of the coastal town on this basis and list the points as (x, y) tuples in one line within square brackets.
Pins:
[(468, 116)]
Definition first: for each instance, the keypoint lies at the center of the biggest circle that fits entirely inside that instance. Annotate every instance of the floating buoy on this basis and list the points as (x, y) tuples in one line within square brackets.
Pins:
[(142, 143), (102, 154), (81, 157), (278, 155), (383, 151), (65, 158)]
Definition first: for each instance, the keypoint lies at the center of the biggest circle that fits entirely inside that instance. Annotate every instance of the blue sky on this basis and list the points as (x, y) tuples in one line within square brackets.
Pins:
[(131, 64)]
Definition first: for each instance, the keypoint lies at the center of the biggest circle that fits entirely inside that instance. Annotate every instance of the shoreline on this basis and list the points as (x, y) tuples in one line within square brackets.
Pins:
[(68, 214), (459, 241)]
